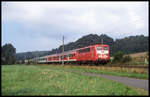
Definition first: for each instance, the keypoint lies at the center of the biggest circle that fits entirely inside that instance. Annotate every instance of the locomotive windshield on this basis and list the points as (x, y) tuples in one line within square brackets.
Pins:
[(105, 48), (99, 48)]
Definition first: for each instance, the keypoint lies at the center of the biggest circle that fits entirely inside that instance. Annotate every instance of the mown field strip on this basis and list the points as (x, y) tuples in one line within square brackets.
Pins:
[(54, 80)]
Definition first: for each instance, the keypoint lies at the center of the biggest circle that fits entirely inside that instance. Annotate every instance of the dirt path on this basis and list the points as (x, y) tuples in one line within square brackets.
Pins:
[(138, 83)]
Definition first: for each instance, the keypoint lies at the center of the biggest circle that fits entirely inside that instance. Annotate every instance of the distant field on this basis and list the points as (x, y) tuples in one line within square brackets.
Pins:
[(54, 80), (138, 58), (138, 54)]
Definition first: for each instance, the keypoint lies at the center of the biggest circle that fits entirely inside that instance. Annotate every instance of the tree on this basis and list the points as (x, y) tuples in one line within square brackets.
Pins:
[(8, 54), (118, 56)]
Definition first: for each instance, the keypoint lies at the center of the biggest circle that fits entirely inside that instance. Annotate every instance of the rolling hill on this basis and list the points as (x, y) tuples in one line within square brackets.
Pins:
[(128, 45)]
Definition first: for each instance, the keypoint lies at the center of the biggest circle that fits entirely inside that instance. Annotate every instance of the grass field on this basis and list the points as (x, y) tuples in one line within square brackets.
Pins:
[(117, 71), (54, 80)]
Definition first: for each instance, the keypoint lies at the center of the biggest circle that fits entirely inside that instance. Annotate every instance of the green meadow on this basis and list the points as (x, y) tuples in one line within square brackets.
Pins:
[(56, 80), (125, 72)]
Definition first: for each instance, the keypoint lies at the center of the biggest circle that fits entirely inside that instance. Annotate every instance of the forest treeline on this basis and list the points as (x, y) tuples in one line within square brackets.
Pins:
[(128, 45)]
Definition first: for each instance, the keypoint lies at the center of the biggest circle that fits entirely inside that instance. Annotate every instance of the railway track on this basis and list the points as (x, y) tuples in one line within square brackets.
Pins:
[(128, 66)]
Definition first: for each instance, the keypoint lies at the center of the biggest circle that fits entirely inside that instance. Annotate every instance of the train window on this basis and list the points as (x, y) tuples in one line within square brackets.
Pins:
[(65, 56), (84, 50), (62, 57), (99, 48), (105, 48), (88, 49), (49, 58), (71, 55)]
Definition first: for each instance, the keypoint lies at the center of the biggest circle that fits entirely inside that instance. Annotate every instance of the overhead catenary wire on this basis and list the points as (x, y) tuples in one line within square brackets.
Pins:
[(63, 51)]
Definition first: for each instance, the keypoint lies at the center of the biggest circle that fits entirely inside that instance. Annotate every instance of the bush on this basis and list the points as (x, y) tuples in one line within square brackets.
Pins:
[(126, 59), (118, 57)]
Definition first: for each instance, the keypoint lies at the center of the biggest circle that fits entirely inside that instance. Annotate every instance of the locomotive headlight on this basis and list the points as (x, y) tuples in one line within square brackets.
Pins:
[(99, 55), (105, 56)]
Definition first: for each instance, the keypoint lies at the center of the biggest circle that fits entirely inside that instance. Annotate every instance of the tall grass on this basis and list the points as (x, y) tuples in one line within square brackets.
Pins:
[(54, 80)]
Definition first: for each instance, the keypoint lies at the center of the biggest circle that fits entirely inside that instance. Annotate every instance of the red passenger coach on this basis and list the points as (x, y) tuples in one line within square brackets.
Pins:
[(68, 57), (98, 53)]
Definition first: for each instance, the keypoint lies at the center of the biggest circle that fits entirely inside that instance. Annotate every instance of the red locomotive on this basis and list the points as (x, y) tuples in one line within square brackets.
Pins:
[(91, 54)]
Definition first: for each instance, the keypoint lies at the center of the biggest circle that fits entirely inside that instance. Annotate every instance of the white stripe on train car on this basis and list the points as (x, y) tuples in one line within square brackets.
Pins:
[(61, 60), (102, 52)]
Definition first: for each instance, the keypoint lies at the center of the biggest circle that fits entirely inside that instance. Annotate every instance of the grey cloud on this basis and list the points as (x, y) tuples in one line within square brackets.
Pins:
[(51, 21)]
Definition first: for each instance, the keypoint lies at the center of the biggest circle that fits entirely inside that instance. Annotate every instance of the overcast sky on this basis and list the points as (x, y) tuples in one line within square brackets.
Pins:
[(32, 26)]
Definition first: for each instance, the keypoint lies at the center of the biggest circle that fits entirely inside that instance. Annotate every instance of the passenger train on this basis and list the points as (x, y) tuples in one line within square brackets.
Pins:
[(98, 53)]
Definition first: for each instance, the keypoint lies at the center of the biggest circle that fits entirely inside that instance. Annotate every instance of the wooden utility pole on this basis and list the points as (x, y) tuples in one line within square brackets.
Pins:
[(102, 41), (63, 52)]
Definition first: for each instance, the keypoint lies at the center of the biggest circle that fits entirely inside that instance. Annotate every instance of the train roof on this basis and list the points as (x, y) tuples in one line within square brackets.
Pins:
[(92, 46)]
